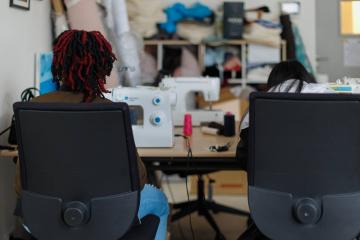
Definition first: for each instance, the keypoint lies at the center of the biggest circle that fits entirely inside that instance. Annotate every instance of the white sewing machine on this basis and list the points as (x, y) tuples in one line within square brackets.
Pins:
[(151, 116), (182, 87)]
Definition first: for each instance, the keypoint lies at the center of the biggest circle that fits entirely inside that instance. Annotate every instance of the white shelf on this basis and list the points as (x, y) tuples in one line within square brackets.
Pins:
[(247, 81), (242, 44)]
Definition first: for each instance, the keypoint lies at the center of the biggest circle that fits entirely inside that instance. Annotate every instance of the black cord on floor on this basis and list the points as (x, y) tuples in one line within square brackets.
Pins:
[(189, 157)]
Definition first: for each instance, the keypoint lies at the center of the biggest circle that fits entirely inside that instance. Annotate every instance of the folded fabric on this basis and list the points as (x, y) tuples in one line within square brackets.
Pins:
[(148, 68), (189, 65), (194, 32), (233, 64), (268, 24), (144, 16), (179, 12), (257, 33), (214, 56)]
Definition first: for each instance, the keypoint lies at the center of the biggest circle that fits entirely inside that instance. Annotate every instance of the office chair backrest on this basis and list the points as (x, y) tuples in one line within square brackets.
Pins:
[(304, 165), (78, 168)]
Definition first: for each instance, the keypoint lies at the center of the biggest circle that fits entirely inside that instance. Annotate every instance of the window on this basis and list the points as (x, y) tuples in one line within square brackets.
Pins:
[(292, 8), (350, 17)]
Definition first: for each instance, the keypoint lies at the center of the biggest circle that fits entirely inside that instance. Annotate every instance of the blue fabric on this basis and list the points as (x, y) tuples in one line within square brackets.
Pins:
[(153, 201), (301, 55), (47, 83), (268, 24), (179, 12), (214, 56)]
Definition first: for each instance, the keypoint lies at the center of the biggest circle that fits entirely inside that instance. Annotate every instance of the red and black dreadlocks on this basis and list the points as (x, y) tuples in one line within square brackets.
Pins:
[(82, 60)]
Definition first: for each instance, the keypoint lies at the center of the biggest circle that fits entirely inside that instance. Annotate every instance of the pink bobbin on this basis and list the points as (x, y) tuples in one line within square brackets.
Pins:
[(187, 130)]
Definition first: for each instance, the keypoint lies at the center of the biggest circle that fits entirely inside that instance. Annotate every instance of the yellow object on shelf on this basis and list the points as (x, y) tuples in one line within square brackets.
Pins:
[(58, 7)]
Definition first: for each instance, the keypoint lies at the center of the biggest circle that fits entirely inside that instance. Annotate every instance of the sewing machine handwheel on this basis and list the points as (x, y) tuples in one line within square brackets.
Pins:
[(157, 118)]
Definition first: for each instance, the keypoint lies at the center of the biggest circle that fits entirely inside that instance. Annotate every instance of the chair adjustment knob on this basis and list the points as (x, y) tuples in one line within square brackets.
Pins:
[(75, 214), (307, 211)]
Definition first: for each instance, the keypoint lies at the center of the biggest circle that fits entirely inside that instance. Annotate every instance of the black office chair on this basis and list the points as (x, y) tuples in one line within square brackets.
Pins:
[(304, 165), (79, 172)]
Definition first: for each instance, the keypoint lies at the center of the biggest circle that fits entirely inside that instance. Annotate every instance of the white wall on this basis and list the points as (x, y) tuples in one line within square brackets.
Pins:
[(305, 21), (23, 33), (331, 53)]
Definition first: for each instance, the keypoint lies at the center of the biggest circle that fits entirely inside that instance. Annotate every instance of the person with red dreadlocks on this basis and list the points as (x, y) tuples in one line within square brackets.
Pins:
[(82, 61)]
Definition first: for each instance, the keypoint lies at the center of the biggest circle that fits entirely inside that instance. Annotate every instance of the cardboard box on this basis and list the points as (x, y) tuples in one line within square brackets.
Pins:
[(226, 183)]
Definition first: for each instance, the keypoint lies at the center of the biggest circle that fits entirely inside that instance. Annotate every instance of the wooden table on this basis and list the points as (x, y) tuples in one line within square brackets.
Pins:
[(199, 144), (175, 159)]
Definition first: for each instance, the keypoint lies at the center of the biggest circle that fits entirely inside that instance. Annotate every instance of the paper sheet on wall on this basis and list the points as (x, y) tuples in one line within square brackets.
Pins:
[(352, 52)]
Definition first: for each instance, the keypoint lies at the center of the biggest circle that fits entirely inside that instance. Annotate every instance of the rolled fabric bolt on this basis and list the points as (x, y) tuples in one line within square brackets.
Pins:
[(229, 125), (58, 7), (86, 15), (209, 131), (187, 130)]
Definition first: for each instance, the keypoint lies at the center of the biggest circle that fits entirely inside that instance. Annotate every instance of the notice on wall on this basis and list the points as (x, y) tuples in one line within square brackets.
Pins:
[(352, 52)]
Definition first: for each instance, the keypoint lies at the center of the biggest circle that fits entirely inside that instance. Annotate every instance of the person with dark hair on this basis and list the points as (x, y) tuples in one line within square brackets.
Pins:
[(288, 76), (82, 61), (290, 73)]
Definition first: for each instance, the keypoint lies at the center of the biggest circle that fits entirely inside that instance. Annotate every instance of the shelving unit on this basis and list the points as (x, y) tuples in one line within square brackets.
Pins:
[(160, 49), (242, 44)]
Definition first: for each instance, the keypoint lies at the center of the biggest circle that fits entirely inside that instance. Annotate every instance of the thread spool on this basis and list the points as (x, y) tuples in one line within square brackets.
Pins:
[(187, 130), (210, 131), (229, 125)]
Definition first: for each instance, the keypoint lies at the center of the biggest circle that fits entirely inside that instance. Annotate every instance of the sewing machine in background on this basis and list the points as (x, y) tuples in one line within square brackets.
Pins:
[(150, 112), (183, 87)]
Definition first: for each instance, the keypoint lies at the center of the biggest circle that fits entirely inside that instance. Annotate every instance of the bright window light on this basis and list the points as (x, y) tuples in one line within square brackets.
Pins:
[(350, 17)]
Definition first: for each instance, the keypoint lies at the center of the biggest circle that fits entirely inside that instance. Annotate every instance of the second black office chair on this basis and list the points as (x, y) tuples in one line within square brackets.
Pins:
[(304, 165), (79, 172)]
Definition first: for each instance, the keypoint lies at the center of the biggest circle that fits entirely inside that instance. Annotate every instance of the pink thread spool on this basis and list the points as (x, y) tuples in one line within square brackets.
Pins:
[(187, 130)]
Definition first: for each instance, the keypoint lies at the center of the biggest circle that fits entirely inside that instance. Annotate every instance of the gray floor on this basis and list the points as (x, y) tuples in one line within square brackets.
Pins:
[(231, 226)]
